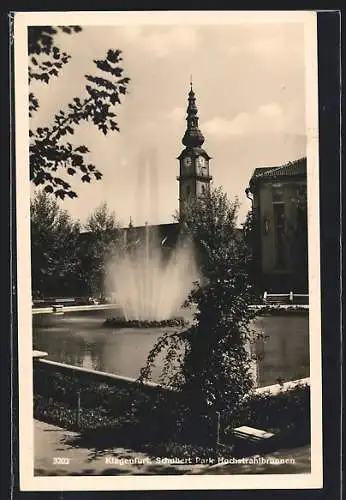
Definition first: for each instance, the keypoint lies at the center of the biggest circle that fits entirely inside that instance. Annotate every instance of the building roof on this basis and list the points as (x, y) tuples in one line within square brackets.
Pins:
[(167, 232), (290, 169)]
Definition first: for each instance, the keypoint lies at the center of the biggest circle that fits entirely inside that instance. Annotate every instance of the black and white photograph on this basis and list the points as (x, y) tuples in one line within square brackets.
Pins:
[(168, 274)]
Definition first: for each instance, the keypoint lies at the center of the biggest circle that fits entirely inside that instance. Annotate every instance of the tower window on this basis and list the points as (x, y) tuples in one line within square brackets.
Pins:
[(203, 189), (188, 191)]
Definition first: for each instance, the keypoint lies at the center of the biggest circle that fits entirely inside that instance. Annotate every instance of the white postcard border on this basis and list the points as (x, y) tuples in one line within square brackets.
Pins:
[(28, 482)]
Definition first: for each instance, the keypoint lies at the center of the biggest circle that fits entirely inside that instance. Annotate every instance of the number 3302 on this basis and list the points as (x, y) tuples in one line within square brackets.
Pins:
[(61, 461)]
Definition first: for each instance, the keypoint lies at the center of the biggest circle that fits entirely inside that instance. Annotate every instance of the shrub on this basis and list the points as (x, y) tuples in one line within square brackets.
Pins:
[(209, 364), (286, 414)]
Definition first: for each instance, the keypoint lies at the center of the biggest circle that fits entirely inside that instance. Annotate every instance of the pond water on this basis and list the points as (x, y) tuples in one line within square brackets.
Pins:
[(80, 339)]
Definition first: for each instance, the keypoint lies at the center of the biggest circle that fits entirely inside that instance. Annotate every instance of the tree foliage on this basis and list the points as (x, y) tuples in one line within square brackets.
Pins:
[(66, 260), (52, 156), (102, 222), (54, 248), (98, 246), (210, 363)]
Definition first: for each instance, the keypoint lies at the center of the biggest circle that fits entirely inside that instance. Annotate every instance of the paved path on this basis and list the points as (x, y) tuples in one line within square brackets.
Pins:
[(55, 455)]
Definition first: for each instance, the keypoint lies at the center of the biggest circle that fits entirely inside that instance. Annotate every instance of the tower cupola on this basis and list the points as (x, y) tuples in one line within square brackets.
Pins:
[(193, 137)]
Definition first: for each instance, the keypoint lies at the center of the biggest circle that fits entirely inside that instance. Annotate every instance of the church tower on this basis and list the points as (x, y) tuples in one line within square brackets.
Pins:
[(194, 178)]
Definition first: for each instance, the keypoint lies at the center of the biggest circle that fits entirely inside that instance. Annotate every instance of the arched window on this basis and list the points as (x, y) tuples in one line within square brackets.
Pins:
[(203, 189)]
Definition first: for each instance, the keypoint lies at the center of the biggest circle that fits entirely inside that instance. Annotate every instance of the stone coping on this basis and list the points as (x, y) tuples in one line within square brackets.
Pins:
[(65, 308), (271, 389), (105, 375), (286, 386), (39, 354)]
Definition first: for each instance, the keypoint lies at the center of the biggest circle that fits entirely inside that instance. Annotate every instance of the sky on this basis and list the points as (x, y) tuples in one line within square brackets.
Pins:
[(250, 92)]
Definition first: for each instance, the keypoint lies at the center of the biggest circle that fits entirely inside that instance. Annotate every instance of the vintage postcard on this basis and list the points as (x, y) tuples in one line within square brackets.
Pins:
[(167, 212)]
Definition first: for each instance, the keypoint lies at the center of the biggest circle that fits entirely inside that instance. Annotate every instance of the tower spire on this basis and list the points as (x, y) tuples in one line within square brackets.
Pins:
[(194, 176), (193, 137)]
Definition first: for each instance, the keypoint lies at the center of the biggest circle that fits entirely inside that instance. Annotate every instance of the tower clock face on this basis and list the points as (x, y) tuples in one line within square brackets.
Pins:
[(201, 165), (200, 161), (187, 161)]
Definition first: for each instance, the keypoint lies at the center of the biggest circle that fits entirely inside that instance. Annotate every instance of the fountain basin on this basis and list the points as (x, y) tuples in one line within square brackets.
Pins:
[(135, 323), (83, 339)]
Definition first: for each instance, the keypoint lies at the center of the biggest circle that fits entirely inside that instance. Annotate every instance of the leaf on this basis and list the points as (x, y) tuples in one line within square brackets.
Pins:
[(92, 92), (66, 29), (124, 81), (102, 82), (82, 149), (77, 160), (113, 55), (60, 194), (71, 171), (114, 125), (114, 98), (86, 178)]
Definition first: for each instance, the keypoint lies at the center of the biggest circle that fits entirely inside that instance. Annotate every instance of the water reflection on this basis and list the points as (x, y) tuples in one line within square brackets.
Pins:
[(283, 351), (80, 339)]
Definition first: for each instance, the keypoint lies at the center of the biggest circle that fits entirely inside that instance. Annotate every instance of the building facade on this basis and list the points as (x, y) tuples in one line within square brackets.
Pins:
[(279, 198)]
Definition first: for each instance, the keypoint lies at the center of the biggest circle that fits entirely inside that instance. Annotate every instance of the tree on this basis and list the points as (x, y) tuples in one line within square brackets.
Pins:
[(98, 247), (52, 157), (103, 223), (54, 248), (214, 371)]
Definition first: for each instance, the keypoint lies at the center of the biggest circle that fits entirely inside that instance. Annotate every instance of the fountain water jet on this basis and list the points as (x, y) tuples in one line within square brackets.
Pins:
[(150, 281)]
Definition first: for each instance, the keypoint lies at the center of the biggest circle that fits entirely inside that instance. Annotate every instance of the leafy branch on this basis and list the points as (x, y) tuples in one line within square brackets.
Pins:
[(50, 153), (41, 42)]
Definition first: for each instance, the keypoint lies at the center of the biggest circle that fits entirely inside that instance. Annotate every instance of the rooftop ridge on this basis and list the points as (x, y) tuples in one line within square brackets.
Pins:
[(275, 170)]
